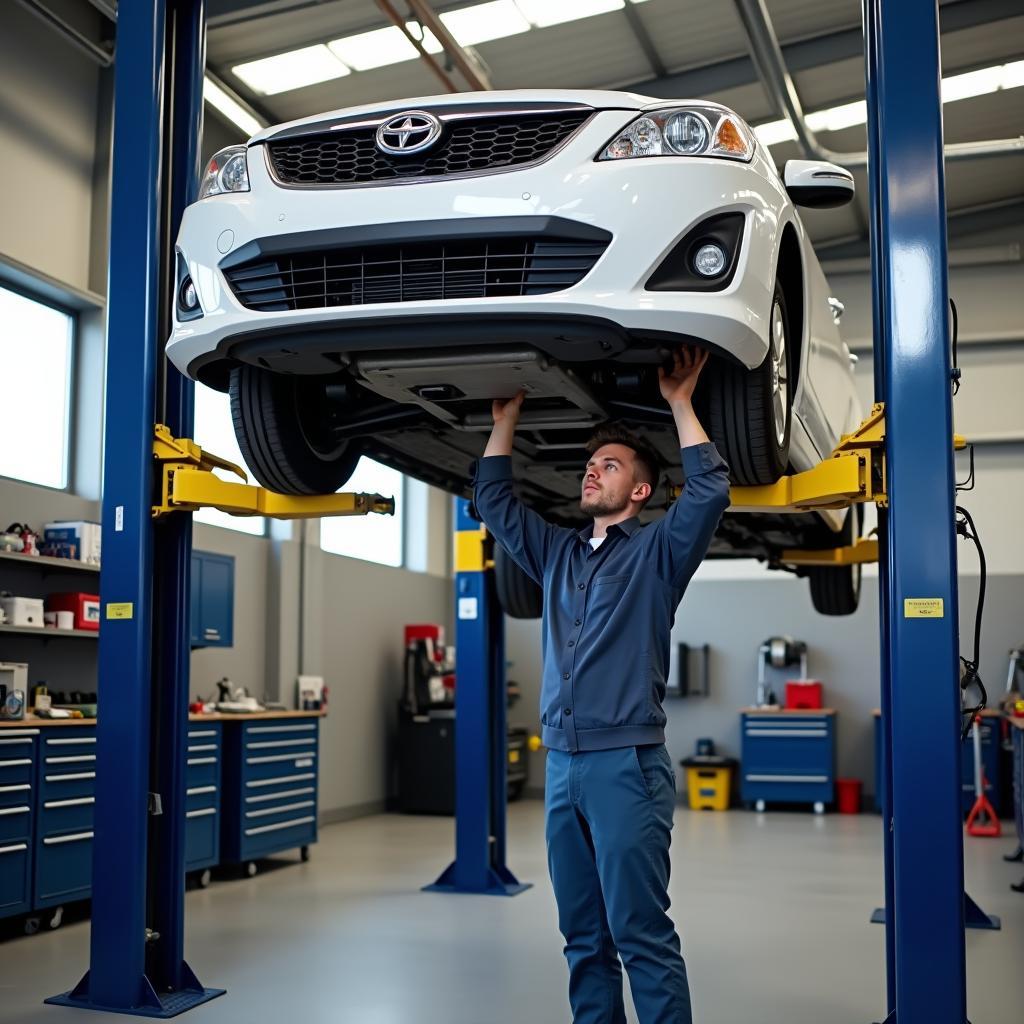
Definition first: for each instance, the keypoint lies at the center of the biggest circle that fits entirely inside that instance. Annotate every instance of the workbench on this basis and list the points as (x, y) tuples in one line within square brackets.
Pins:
[(787, 756), (990, 744), (251, 791)]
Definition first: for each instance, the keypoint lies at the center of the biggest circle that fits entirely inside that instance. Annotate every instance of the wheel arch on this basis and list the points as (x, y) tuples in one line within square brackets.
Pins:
[(790, 272)]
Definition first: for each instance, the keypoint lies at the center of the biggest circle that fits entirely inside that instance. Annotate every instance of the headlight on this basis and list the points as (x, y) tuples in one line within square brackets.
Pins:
[(226, 172), (683, 131)]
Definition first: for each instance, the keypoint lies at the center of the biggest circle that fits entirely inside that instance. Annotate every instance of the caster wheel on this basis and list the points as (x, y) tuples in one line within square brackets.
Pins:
[(304, 854), (251, 868), (759, 806), (56, 918), (819, 807), (204, 879), (31, 925)]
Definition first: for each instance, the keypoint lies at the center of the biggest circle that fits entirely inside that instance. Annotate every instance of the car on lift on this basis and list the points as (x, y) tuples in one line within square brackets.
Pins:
[(366, 281)]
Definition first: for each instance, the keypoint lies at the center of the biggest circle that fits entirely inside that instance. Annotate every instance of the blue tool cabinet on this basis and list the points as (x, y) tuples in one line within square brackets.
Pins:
[(788, 757), (202, 797), (212, 599), (66, 780), (270, 787), (18, 752)]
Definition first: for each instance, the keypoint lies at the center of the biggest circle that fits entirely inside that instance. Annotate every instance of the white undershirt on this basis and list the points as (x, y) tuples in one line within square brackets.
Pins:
[(596, 542)]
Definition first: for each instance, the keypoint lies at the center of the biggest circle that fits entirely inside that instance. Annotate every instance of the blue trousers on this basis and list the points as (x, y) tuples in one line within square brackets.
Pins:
[(608, 826)]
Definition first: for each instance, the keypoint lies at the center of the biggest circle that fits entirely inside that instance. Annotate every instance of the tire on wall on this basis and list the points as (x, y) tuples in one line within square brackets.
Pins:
[(283, 427), (518, 594), (837, 591), (749, 411)]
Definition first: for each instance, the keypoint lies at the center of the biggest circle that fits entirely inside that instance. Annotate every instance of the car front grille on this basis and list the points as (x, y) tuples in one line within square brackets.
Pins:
[(473, 268), (351, 157)]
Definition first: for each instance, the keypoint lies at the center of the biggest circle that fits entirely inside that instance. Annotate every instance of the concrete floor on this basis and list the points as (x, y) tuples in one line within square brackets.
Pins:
[(773, 910)]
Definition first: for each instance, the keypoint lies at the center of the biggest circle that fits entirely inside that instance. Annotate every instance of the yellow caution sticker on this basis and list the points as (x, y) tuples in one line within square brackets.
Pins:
[(124, 610), (922, 608)]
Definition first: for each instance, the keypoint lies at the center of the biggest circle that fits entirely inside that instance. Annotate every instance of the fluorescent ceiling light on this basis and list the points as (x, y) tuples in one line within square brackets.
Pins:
[(292, 70), (541, 13), (484, 22), (956, 87), (373, 49), (232, 110)]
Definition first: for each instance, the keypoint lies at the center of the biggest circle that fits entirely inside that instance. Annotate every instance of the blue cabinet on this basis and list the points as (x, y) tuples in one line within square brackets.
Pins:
[(18, 753), (202, 796), (788, 757), (64, 808), (270, 787), (213, 599)]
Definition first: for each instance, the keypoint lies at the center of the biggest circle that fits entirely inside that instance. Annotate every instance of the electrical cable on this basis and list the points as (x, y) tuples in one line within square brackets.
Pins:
[(955, 330), (965, 528)]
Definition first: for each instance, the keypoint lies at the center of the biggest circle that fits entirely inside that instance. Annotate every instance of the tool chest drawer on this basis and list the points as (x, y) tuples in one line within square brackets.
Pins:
[(787, 758), (270, 790), (203, 795), (15, 822), (63, 868), (15, 871), (19, 751), (67, 754)]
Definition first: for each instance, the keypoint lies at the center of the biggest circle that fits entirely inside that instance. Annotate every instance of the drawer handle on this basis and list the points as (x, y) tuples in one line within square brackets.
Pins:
[(201, 760), (200, 735), (201, 747), (16, 743), (71, 760), (15, 789), (787, 778), (76, 838), (280, 728), (21, 732), (212, 634), (281, 743), (80, 802), (71, 778), (806, 734), (199, 790), (281, 778), (298, 755), (277, 796), (279, 810), (14, 764), (17, 848), (65, 742), (279, 825), (201, 813), (14, 810)]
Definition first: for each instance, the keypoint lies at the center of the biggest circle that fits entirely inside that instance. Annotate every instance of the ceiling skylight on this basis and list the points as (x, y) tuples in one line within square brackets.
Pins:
[(293, 70), (233, 111)]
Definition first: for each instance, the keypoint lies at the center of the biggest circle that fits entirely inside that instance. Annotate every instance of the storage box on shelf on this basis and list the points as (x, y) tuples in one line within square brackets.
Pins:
[(788, 757)]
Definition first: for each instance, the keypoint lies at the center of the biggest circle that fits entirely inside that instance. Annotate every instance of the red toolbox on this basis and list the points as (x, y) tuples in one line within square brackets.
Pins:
[(84, 607), (804, 695)]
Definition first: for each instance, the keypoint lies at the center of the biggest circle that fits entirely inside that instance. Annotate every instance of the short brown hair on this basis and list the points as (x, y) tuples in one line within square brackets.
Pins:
[(647, 461)]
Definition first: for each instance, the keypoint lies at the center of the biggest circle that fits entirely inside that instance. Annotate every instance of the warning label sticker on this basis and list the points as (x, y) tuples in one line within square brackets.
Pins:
[(922, 608), (124, 610)]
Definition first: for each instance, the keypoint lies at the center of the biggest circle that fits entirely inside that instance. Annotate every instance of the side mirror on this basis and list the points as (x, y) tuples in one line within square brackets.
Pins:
[(817, 184)]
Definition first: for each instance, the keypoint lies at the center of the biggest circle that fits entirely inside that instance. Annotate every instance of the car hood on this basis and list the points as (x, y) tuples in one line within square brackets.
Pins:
[(599, 99)]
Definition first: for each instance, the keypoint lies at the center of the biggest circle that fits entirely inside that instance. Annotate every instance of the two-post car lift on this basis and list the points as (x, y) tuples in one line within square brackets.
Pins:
[(137, 960)]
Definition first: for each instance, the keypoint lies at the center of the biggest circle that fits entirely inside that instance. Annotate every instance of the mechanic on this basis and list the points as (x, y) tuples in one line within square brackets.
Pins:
[(610, 595)]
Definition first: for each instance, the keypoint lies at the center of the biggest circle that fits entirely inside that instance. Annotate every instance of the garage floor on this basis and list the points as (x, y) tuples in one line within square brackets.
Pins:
[(773, 911)]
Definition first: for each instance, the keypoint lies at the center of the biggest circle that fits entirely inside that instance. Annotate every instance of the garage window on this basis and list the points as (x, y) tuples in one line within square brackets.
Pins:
[(374, 538), (213, 431), (36, 344)]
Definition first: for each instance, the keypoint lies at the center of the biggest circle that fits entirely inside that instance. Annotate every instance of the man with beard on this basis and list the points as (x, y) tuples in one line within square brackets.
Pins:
[(610, 595)]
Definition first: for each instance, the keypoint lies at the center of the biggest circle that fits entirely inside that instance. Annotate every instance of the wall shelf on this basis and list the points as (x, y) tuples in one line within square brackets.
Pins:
[(45, 562), (48, 633)]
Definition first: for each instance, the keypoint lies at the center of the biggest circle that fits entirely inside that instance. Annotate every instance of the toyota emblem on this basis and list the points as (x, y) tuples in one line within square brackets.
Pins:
[(411, 132)]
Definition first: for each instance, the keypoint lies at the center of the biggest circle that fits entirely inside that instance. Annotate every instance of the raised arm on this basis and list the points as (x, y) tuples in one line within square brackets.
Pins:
[(680, 540), (524, 534)]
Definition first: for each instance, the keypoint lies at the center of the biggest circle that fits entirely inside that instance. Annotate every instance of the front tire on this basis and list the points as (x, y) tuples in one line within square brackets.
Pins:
[(284, 427), (750, 411), (837, 591)]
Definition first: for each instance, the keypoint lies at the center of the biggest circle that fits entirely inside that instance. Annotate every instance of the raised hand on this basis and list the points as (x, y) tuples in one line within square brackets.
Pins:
[(677, 386), (506, 410)]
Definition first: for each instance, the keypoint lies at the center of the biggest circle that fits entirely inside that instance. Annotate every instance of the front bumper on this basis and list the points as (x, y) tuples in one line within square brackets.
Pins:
[(647, 206)]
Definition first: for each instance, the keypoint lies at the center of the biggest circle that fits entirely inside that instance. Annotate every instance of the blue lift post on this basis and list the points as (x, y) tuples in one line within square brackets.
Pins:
[(926, 971), (136, 962), (481, 737)]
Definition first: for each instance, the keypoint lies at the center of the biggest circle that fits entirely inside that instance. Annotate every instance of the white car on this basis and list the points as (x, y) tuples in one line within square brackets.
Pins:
[(367, 280)]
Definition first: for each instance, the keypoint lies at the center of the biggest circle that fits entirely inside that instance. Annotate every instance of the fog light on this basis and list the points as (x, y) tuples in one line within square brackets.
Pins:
[(710, 260), (187, 297)]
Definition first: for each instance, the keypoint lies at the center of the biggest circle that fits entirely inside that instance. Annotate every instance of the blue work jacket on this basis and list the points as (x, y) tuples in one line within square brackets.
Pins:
[(608, 612)]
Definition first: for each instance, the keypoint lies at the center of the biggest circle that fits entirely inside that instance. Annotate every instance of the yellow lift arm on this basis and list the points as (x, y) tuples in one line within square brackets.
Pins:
[(855, 473), (187, 483)]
